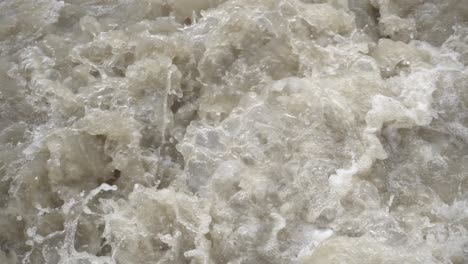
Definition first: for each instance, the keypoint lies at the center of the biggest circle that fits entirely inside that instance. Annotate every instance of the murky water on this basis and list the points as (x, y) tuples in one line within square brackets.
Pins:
[(240, 131)]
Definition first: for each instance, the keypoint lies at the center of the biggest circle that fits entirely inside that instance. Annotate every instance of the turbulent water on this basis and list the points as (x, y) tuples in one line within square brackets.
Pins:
[(237, 131)]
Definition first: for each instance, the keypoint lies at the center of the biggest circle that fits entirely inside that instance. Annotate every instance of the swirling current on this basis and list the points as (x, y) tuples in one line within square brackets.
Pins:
[(234, 131)]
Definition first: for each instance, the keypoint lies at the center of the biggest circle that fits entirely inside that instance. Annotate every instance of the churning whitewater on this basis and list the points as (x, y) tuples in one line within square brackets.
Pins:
[(234, 131)]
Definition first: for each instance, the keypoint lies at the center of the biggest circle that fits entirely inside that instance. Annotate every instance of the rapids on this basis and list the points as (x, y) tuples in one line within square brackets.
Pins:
[(234, 131)]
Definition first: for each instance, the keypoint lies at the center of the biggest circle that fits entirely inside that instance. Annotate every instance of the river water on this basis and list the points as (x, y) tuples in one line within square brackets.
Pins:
[(234, 131)]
